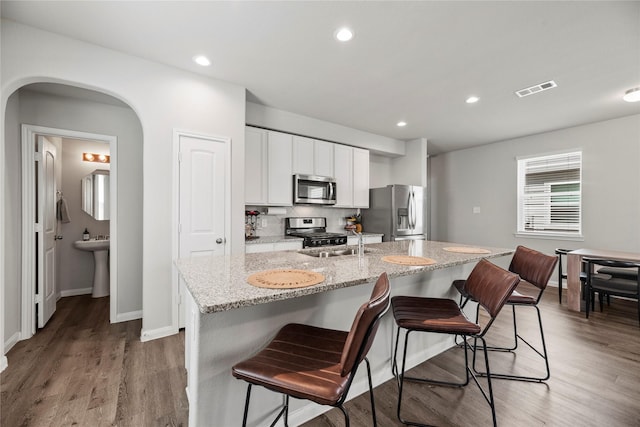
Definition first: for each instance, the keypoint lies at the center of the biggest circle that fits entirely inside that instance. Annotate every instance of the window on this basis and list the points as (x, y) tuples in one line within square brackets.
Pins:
[(549, 195)]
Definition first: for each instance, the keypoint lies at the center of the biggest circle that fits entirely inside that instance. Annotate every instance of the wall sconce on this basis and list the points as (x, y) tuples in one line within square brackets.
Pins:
[(98, 158)]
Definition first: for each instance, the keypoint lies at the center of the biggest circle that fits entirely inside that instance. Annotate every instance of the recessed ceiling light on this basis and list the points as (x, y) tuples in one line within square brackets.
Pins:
[(632, 95), (472, 100), (401, 124), (202, 60), (344, 34)]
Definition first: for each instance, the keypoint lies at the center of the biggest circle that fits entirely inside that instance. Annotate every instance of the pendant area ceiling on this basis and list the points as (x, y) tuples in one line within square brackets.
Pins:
[(409, 61)]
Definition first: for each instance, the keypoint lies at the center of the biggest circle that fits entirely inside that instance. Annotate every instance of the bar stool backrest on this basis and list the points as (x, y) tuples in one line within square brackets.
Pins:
[(491, 286), (365, 325), (533, 266)]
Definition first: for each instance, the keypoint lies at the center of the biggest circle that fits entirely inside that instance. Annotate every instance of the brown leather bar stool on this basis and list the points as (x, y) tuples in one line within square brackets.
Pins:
[(317, 364), (535, 268), (490, 285)]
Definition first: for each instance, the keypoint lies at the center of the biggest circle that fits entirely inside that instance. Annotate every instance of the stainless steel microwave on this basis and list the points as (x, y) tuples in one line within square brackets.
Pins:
[(314, 190)]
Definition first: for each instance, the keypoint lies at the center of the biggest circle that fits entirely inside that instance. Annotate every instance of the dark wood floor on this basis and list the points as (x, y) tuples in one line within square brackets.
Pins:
[(81, 371)]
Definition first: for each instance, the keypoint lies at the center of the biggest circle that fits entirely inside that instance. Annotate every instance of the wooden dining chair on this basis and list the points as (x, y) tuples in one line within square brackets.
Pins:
[(317, 364)]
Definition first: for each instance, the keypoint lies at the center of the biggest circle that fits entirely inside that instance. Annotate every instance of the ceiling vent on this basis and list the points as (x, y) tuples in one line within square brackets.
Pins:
[(541, 87)]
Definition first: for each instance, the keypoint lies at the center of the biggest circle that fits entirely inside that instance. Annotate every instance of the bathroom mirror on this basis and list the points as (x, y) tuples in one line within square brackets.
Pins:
[(95, 194)]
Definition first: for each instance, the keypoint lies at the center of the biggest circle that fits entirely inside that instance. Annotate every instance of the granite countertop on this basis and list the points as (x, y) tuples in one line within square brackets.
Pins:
[(220, 283)]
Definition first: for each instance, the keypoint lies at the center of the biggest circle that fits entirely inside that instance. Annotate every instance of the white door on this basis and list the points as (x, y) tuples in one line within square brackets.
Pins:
[(46, 284), (201, 199)]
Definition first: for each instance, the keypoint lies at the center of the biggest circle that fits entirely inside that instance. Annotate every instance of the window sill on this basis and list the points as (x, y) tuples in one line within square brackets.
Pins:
[(550, 236)]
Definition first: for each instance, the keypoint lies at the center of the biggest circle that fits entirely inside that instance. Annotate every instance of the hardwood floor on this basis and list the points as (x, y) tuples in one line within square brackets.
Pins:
[(80, 370)]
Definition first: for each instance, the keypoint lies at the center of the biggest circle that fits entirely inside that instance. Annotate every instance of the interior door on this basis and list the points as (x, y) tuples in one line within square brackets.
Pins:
[(46, 194), (202, 221)]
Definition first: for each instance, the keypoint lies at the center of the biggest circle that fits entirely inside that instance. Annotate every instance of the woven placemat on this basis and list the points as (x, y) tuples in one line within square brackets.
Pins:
[(285, 279), (466, 250), (408, 260)]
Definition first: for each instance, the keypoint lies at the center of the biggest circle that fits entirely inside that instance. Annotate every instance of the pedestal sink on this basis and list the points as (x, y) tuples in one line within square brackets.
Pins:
[(100, 249)]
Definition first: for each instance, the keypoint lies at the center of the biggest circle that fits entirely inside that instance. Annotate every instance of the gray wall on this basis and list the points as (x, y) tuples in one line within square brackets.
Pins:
[(486, 177), (66, 113)]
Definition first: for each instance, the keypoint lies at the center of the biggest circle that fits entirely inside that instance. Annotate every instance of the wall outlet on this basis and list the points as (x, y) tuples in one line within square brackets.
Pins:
[(476, 209)]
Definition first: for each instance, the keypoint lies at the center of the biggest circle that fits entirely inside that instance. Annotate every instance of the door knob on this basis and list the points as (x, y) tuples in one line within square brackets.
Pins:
[(218, 240), (57, 237)]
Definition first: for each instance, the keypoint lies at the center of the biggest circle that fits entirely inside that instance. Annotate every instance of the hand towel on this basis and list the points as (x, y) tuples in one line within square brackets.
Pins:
[(62, 210)]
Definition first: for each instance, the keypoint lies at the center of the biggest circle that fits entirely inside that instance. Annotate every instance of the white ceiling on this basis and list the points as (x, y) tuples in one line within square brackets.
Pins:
[(411, 61)]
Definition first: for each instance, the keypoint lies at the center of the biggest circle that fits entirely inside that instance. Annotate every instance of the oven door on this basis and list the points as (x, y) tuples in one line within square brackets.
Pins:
[(314, 190)]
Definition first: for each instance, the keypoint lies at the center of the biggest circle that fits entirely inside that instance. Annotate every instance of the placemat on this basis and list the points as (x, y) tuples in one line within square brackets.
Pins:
[(408, 260), (466, 250), (285, 279)]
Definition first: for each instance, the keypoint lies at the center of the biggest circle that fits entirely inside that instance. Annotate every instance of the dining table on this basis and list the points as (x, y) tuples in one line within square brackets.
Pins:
[(574, 267)]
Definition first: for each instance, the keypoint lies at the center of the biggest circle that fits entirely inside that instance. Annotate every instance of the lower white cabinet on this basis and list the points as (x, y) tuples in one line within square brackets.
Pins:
[(255, 248), (353, 240)]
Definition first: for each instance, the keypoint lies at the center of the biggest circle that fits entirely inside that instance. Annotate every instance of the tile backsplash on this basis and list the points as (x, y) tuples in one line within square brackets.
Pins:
[(275, 223)]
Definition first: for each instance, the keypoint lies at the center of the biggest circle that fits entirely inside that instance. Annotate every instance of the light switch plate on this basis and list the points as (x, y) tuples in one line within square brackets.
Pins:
[(476, 209)]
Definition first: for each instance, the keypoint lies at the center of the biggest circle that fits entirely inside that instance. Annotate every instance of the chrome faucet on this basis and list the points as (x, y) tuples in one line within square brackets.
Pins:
[(360, 244)]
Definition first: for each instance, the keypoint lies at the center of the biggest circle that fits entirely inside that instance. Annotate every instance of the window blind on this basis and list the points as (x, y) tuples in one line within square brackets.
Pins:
[(550, 193)]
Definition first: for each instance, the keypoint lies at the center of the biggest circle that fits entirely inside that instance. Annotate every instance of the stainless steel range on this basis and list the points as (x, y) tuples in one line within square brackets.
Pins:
[(313, 231)]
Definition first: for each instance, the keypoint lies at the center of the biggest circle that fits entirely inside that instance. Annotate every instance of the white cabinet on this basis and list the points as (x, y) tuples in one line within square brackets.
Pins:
[(343, 162), (352, 176), (255, 248), (267, 172), (280, 176), (312, 157), (353, 240), (255, 166), (360, 178)]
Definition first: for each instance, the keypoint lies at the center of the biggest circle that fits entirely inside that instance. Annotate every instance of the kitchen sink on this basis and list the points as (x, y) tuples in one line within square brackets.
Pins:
[(328, 253)]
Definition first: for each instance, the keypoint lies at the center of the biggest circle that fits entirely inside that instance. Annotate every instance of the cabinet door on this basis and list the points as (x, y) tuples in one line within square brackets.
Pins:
[(280, 175), (343, 162), (360, 178), (303, 157), (255, 166), (323, 158)]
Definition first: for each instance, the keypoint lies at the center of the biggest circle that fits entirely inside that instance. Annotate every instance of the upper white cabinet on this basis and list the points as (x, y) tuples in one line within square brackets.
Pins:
[(360, 178), (268, 173), (255, 166), (312, 157), (352, 176), (343, 162), (271, 159)]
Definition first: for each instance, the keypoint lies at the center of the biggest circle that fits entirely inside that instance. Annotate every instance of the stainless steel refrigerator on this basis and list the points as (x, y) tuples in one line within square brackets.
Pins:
[(398, 211)]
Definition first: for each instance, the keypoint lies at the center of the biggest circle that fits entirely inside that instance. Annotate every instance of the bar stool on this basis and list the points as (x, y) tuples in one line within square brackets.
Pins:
[(490, 285), (317, 364), (626, 284), (535, 268)]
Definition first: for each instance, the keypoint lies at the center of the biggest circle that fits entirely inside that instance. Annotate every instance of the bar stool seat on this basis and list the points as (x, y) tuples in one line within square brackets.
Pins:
[(314, 363), (433, 314)]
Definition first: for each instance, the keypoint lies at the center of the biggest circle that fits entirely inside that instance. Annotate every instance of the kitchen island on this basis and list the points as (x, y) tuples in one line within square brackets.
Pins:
[(228, 320)]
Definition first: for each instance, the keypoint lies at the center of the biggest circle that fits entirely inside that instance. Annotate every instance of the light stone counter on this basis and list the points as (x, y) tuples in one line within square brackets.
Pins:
[(228, 320), (220, 283)]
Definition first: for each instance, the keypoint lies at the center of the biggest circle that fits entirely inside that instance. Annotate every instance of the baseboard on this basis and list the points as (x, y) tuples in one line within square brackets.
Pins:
[(75, 292), (154, 334), (3, 363), (131, 315), (309, 412), (13, 340)]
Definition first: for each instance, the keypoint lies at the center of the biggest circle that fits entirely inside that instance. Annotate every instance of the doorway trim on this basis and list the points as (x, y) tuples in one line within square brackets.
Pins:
[(178, 301), (28, 284)]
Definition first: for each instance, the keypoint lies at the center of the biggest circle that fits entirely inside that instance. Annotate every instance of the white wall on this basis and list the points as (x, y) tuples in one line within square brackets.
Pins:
[(411, 169), (164, 98), (285, 121), (486, 177)]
